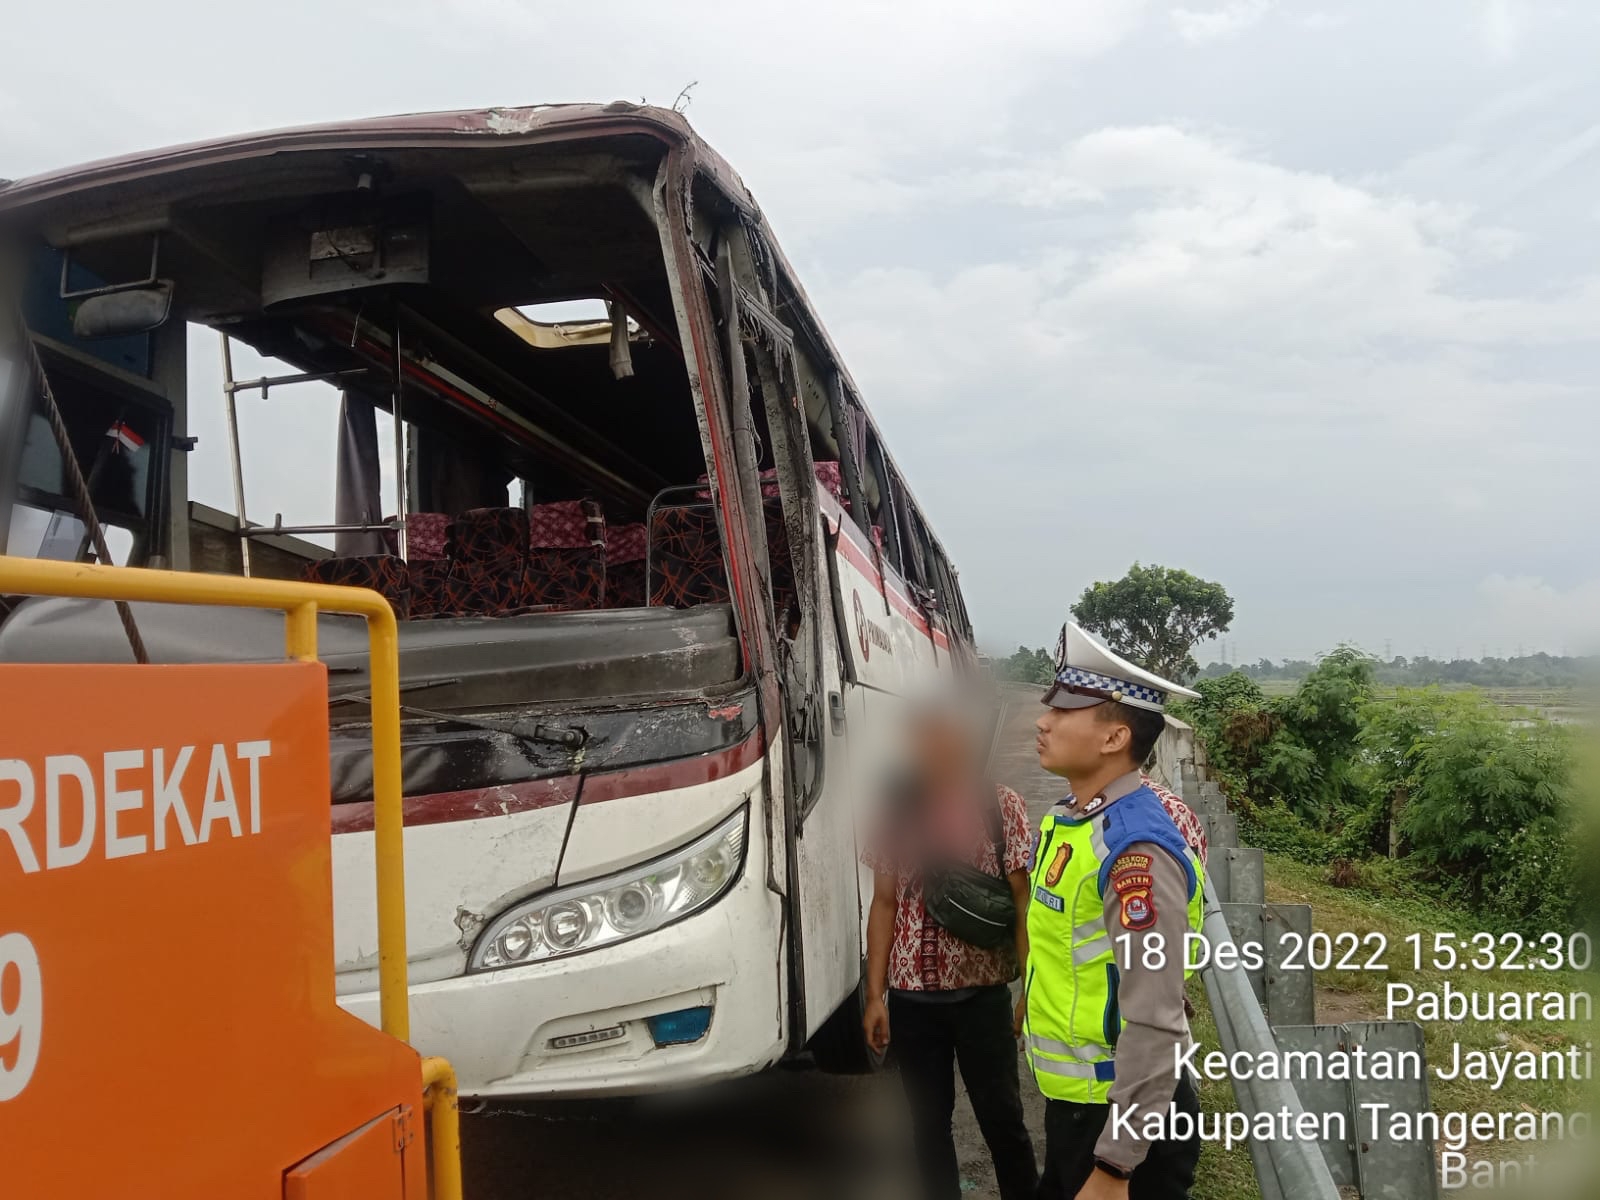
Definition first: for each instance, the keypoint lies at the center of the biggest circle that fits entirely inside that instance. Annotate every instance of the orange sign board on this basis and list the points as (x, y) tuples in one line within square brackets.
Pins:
[(167, 1017)]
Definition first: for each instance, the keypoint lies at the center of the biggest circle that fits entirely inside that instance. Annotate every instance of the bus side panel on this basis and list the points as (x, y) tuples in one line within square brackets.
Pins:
[(831, 904), (895, 659)]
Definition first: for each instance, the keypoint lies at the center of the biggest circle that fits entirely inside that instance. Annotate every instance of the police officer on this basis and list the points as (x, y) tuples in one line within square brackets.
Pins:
[(1114, 890)]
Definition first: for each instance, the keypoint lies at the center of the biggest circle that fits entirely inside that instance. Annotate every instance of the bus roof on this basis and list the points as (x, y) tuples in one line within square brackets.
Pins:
[(488, 128)]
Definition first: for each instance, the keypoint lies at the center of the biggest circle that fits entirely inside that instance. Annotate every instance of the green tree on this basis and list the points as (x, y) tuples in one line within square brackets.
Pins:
[(1155, 616), (1395, 733), (1298, 751), (1027, 666)]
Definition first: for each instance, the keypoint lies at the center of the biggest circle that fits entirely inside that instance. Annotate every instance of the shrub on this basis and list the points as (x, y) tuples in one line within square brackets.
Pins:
[(1538, 880), (1277, 830), (1479, 780)]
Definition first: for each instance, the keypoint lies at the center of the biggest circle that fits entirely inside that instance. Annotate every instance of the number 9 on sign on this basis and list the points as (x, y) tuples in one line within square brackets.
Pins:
[(21, 1013)]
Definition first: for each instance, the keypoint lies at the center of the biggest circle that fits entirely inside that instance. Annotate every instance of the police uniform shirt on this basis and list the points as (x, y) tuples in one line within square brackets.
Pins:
[(1150, 999)]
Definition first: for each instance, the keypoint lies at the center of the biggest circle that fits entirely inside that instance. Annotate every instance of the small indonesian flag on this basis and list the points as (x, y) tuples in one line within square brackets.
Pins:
[(126, 437)]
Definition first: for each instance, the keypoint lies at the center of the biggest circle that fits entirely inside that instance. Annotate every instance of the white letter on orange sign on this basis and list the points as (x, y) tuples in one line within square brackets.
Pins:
[(168, 796), (119, 801), (55, 854), (219, 784), (11, 819), (254, 752)]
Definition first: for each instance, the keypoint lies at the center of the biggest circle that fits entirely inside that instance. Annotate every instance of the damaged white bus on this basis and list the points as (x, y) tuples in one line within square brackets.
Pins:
[(662, 587)]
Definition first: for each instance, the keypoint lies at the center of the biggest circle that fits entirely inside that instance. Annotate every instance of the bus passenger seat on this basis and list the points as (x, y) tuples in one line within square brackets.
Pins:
[(566, 565), (489, 554), (828, 476), (432, 594), (427, 559), (625, 555), (427, 536), (686, 557), (383, 573)]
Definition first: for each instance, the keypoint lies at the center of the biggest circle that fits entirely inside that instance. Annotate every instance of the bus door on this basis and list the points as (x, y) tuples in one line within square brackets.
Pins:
[(825, 900)]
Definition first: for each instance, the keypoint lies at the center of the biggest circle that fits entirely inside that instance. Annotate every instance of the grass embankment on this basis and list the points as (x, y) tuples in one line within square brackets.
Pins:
[(1361, 995)]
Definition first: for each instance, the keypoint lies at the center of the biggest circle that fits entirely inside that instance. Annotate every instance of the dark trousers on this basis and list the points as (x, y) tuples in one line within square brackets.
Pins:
[(928, 1038), (1070, 1134)]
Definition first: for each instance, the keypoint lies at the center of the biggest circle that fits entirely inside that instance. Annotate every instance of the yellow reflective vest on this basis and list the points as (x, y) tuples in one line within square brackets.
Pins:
[(1073, 1021)]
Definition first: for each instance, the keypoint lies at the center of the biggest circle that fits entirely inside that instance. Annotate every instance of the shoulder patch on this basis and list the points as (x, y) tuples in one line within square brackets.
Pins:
[(1138, 909), (1130, 873)]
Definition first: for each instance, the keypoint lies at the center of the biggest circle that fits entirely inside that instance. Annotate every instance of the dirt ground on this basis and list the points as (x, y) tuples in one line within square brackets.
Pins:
[(792, 1132)]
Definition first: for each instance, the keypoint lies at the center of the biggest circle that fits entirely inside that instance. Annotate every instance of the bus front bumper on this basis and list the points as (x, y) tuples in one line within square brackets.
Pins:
[(583, 1026)]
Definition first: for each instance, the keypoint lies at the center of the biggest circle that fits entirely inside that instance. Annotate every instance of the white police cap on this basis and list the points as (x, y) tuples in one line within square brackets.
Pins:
[(1089, 673)]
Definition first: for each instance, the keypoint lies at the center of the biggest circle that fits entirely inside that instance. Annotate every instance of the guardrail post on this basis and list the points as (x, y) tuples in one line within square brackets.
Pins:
[(1286, 996), (1221, 831), (1247, 874), (1378, 1168), (1287, 1170), (1218, 866), (1291, 994)]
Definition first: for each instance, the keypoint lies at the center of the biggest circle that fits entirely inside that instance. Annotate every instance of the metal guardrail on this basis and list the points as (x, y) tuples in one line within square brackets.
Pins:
[(1286, 1170), (1266, 1010)]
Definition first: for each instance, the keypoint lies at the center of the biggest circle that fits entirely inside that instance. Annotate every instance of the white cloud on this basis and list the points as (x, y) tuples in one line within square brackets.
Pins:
[(1301, 358), (1499, 28), (1214, 234), (1232, 19), (1322, 20)]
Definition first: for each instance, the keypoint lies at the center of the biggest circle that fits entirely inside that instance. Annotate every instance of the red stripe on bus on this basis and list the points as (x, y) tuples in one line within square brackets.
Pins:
[(476, 803), (861, 559)]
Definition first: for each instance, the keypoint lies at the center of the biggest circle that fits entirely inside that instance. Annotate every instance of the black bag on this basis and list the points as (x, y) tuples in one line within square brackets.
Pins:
[(974, 905)]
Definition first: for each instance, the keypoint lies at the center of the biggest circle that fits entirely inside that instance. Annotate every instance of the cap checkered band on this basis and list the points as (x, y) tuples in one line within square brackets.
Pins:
[(1079, 678)]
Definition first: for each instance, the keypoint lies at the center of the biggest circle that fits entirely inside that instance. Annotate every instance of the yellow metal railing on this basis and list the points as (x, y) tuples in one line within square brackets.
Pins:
[(300, 603), (444, 1125)]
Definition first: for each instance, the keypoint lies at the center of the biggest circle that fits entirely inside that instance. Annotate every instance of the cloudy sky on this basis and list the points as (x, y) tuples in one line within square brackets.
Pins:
[(1300, 295)]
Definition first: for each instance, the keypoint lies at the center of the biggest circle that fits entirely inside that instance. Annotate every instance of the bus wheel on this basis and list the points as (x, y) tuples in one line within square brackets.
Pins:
[(840, 1046)]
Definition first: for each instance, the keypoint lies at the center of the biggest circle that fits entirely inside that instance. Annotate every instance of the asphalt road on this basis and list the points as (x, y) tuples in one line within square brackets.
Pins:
[(789, 1133)]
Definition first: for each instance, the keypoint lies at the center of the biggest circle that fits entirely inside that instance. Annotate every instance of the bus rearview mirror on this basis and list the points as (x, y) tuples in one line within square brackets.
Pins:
[(124, 312)]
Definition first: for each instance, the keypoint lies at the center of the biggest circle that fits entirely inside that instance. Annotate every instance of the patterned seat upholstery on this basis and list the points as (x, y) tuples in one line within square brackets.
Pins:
[(385, 574), (427, 556), (828, 476), (686, 557), (432, 588), (566, 557), (625, 565), (427, 536), (488, 554)]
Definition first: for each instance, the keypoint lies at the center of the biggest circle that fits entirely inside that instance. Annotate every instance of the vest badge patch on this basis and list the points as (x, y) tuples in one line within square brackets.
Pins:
[(1049, 899), (1058, 865)]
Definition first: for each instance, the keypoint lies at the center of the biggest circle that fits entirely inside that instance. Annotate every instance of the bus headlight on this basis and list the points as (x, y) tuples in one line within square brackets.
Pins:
[(606, 911)]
